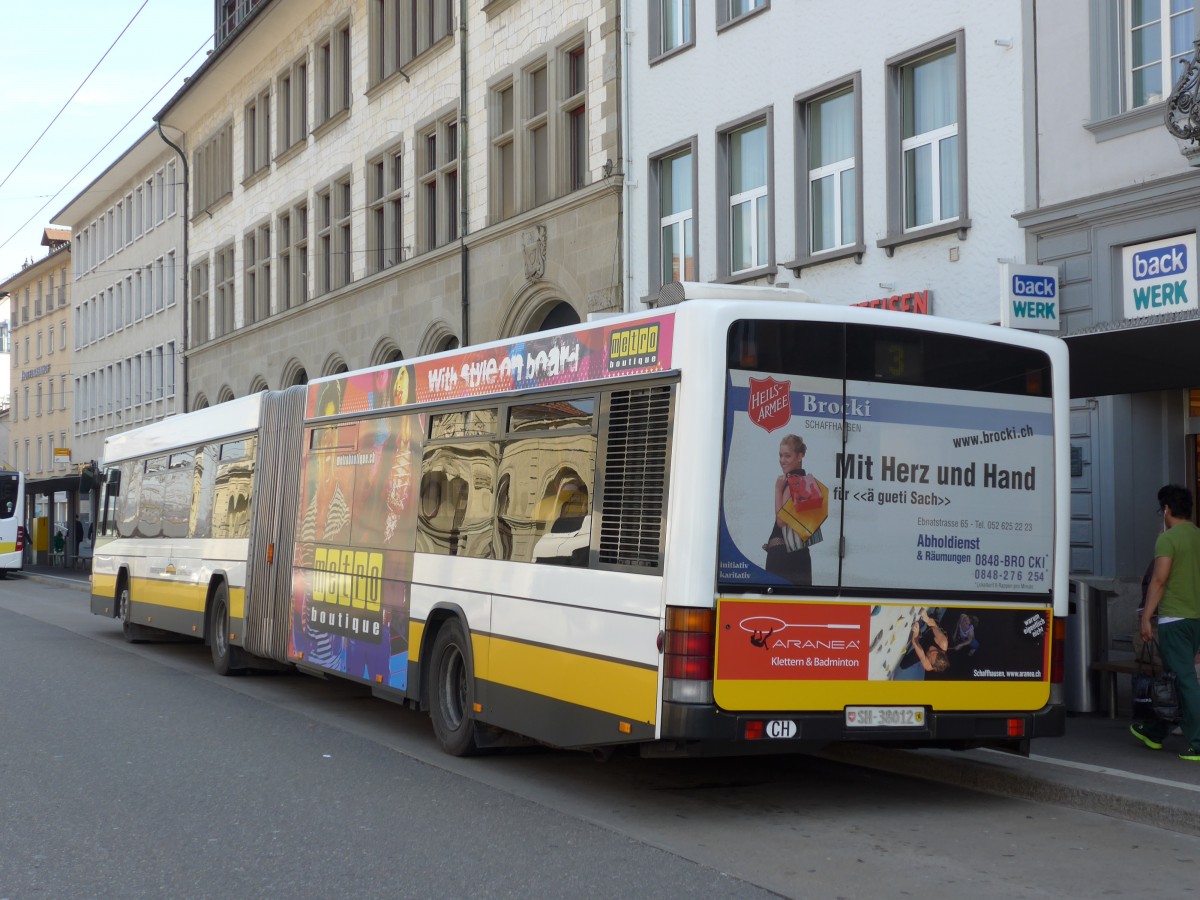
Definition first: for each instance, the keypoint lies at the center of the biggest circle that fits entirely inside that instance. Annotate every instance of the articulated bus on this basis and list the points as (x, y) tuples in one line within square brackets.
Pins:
[(738, 522), (12, 521)]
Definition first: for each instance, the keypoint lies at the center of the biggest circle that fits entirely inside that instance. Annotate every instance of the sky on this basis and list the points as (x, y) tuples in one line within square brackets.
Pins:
[(50, 47)]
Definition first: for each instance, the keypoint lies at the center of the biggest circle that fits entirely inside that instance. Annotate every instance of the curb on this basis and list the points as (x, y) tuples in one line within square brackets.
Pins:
[(57, 580), (1015, 779)]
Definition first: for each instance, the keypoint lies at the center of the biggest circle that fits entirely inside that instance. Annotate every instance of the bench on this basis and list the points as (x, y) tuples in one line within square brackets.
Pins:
[(1112, 668)]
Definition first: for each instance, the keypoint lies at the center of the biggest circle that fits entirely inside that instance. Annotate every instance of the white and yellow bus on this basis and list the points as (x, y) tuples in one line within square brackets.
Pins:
[(12, 521), (739, 522)]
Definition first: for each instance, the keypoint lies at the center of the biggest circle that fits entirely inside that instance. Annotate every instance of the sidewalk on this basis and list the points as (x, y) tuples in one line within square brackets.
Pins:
[(1097, 766)]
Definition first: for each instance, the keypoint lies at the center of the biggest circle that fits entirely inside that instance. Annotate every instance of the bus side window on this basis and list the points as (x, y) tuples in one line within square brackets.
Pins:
[(545, 516), (231, 493), (455, 512)]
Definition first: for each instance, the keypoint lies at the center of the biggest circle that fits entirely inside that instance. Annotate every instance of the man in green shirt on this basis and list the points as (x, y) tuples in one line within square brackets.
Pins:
[(1174, 593)]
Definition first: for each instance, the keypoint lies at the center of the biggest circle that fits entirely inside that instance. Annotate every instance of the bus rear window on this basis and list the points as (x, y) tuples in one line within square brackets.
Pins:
[(9, 491), (889, 460)]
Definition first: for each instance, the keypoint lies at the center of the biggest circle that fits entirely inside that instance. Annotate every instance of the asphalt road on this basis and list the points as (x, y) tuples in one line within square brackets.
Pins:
[(135, 771)]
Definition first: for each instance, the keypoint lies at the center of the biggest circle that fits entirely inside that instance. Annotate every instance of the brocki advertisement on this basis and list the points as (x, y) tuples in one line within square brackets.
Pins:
[(920, 488)]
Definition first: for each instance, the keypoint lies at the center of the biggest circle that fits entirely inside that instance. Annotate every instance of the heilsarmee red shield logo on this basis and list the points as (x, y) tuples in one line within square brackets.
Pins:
[(770, 404)]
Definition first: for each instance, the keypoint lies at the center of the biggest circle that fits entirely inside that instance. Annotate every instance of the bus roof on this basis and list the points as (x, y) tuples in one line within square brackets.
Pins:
[(208, 424)]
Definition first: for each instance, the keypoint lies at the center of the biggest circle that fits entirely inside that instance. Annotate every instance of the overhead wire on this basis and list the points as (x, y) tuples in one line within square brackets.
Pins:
[(107, 143)]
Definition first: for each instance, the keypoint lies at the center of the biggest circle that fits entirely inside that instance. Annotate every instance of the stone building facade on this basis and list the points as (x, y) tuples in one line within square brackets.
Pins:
[(127, 295), (372, 181)]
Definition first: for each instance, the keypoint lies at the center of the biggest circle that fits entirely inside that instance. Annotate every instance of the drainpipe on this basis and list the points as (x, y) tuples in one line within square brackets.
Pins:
[(463, 214), (187, 303), (626, 163)]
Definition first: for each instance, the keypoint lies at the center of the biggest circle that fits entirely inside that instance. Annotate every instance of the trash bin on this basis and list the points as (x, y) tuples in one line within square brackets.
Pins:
[(1080, 683)]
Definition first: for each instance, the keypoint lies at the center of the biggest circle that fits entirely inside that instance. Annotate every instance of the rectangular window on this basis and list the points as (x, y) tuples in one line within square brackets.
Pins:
[(199, 304), (401, 30), (160, 293), (291, 105), (503, 181), (172, 190), (676, 219), (672, 26), (927, 152), (573, 114), (291, 241), (1158, 46), (929, 139), (224, 291), (437, 183), (129, 219), (160, 195), (169, 278), (256, 280), (333, 73), (732, 10), (212, 164), (385, 189), (256, 136), (537, 136), (828, 147), (745, 160), (333, 236)]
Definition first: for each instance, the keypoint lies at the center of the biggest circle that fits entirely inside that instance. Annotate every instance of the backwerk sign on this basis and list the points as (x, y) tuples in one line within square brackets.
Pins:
[(1029, 297), (1159, 277)]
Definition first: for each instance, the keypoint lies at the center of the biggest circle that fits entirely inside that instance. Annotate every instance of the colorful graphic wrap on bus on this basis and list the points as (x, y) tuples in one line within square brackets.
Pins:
[(790, 641), (355, 534), (576, 357), (931, 489)]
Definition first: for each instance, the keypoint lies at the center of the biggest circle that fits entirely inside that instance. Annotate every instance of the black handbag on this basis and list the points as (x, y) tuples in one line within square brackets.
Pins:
[(1155, 690)]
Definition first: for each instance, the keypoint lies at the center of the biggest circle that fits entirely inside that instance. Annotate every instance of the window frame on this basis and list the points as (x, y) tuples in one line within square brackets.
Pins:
[(686, 14), (436, 179), (256, 275), (897, 235), (655, 223), (385, 208), (724, 222), (333, 88), (801, 103), (726, 18), (199, 303), (291, 108), (256, 136)]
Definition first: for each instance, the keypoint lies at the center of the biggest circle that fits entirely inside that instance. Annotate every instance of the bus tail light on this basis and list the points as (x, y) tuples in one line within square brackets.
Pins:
[(20, 537), (1058, 648), (688, 646)]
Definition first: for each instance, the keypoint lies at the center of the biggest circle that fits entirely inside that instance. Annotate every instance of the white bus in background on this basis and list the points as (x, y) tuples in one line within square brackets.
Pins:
[(735, 523), (12, 521)]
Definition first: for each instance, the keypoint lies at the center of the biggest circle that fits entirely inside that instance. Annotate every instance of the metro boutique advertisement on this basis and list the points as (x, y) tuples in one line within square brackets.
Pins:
[(933, 490)]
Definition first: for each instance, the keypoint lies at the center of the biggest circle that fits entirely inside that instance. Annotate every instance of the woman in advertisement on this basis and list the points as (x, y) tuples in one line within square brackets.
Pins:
[(787, 547)]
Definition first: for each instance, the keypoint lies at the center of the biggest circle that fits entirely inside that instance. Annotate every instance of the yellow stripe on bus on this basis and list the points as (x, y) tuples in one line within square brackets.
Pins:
[(830, 696), (8, 546), (613, 687), (179, 595)]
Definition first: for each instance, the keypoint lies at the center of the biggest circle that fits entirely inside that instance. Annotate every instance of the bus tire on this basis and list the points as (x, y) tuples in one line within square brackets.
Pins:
[(134, 633), (226, 658), (452, 691)]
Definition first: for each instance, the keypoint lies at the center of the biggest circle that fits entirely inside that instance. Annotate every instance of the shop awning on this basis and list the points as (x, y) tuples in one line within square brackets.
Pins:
[(1131, 357)]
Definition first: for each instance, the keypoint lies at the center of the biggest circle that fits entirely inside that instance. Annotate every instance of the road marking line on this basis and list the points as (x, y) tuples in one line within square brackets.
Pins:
[(1105, 770)]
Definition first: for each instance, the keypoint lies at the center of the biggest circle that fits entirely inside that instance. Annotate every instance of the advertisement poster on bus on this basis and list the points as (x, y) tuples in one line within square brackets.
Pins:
[(923, 488), (631, 348), (354, 540), (772, 640)]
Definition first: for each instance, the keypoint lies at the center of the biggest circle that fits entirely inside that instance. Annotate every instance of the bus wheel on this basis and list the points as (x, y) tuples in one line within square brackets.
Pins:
[(452, 691), (134, 633), (225, 657)]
